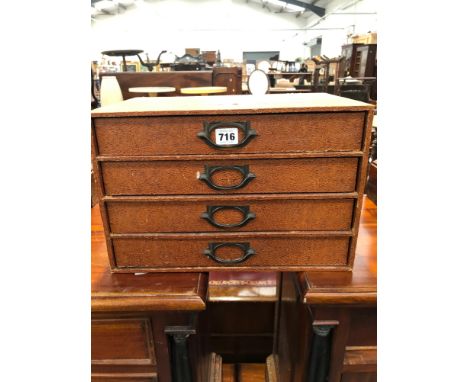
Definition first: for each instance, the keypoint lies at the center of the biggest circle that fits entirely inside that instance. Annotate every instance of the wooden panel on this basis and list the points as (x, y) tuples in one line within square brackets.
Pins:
[(122, 342), (229, 372), (363, 327), (271, 176), (177, 80), (276, 133), (123, 377), (360, 359), (229, 77), (272, 250), (293, 214), (251, 372), (244, 372)]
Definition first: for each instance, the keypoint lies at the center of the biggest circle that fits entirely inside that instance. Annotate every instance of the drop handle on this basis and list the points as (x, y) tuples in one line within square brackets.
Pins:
[(213, 247), (208, 128), (206, 177), (211, 211)]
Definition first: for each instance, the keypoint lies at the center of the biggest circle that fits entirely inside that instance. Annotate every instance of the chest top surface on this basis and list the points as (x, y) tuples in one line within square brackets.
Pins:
[(231, 104)]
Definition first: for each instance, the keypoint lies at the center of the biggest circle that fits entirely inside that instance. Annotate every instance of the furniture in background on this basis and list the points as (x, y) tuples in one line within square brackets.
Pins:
[(231, 77), (371, 187), (152, 91), (228, 77), (133, 52), (204, 90), (324, 66), (258, 82), (187, 62), (94, 95), (328, 320), (360, 60)]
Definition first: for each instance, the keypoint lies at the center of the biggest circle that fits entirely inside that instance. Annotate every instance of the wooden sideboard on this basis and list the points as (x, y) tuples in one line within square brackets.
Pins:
[(328, 320), (219, 76)]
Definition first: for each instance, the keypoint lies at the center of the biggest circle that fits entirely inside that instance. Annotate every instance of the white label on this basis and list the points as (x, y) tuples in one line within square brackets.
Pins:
[(227, 136)]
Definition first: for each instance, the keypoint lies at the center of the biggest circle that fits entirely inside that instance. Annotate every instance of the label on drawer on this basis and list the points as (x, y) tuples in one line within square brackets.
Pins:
[(227, 136)]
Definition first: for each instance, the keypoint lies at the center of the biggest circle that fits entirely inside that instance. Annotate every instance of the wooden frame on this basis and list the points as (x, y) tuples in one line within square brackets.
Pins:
[(132, 67)]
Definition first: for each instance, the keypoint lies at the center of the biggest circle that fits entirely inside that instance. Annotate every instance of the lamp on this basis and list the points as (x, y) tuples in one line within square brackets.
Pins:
[(110, 90)]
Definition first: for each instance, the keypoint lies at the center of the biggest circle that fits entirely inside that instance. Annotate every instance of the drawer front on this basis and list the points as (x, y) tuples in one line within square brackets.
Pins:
[(225, 214), (241, 176), (274, 133), (191, 251), (122, 342)]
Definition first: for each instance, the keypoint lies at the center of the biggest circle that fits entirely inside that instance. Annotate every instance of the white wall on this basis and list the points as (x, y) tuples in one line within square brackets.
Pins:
[(336, 28), (233, 26)]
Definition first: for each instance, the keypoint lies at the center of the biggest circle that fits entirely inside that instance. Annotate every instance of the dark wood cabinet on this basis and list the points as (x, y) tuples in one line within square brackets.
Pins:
[(218, 76), (360, 60), (229, 77)]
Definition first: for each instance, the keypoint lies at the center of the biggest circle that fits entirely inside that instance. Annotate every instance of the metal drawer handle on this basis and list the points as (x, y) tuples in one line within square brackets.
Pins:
[(210, 170), (208, 127), (211, 210), (212, 248)]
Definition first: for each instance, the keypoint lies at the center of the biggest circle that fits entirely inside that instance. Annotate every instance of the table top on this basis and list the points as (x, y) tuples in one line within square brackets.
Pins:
[(122, 52), (204, 90), (146, 292), (152, 89), (279, 90), (356, 287)]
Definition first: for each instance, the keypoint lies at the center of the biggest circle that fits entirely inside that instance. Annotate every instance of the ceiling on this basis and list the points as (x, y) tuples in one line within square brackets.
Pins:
[(298, 8)]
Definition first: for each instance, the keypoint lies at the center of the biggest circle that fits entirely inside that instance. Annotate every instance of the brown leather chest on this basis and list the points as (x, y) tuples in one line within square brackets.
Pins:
[(238, 182)]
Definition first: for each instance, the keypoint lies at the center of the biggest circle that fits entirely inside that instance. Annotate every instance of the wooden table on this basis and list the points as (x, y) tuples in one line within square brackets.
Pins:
[(152, 91), (204, 90)]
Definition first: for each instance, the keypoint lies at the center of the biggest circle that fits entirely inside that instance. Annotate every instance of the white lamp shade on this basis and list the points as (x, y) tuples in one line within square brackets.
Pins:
[(110, 91)]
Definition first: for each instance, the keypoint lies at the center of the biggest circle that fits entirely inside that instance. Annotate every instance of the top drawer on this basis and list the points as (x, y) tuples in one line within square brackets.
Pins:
[(267, 133)]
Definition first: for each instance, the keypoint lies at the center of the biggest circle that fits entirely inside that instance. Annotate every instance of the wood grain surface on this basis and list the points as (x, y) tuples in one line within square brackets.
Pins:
[(276, 133), (182, 177), (272, 250), (163, 215)]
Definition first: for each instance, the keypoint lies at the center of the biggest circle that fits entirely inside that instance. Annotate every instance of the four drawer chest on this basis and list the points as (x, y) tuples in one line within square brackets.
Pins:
[(231, 182)]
